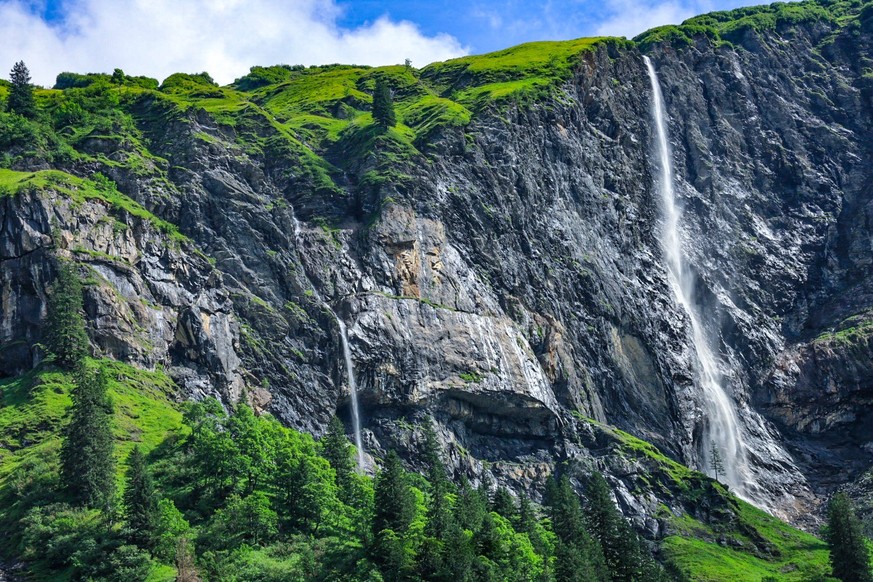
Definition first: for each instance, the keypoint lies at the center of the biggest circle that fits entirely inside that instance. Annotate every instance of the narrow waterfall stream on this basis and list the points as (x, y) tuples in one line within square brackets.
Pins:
[(349, 364), (353, 390), (722, 432)]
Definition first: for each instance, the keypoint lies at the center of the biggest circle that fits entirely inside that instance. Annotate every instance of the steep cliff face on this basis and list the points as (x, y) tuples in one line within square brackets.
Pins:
[(496, 258)]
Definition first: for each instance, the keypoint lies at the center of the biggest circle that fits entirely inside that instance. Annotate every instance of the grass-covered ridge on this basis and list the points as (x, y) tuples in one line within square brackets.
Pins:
[(710, 534), (731, 26)]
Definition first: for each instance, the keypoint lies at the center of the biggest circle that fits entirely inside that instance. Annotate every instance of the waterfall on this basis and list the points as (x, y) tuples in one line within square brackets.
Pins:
[(722, 431), (353, 389), (349, 365)]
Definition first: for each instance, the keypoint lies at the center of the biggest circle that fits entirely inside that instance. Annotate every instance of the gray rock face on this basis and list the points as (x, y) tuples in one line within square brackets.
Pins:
[(515, 279)]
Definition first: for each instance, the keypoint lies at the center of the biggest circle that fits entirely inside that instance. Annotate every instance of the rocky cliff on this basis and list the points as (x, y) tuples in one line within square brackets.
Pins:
[(495, 257)]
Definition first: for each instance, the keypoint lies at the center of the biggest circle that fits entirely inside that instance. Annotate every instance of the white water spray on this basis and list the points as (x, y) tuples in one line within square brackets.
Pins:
[(349, 364), (722, 431), (353, 390)]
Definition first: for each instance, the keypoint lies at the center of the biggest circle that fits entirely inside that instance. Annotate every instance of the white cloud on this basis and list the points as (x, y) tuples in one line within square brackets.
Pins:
[(223, 37), (631, 17)]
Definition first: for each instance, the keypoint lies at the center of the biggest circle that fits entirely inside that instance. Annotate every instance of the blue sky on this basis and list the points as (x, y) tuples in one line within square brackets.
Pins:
[(487, 25), (226, 37)]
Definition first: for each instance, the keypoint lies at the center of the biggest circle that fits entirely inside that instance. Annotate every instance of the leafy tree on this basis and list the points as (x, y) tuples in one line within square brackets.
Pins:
[(336, 448), (21, 99), (140, 503), (65, 335), (118, 77), (171, 529), (850, 559), (248, 519), (87, 465), (383, 105)]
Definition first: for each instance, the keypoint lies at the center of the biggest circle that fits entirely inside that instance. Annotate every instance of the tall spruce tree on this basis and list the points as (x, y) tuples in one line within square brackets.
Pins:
[(21, 99), (394, 501), (439, 514), (383, 105), (393, 514), (579, 556), (850, 559), (87, 465), (140, 503), (65, 335), (336, 448), (620, 544)]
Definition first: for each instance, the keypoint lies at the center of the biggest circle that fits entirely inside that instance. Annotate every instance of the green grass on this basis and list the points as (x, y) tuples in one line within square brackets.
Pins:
[(853, 330), (736, 541), (731, 26), (35, 409), (79, 190), (523, 70)]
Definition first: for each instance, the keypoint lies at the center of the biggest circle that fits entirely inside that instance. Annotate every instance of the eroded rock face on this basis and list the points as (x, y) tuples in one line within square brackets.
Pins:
[(149, 300), (513, 280)]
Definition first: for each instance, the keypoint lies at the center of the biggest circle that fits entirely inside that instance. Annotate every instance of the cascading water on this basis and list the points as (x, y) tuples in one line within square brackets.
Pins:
[(722, 432), (353, 390), (349, 364)]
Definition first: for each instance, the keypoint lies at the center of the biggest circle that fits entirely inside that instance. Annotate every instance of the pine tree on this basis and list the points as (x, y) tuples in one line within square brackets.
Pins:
[(621, 547), (87, 465), (578, 555), (504, 504), (336, 448), (383, 105), (21, 94), (716, 462), (850, 559), (140, 503), (439, 514), (394, 501), (65, 335)]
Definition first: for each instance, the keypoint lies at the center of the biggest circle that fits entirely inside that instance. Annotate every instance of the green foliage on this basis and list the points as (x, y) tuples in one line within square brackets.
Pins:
[(65, 336), (850, 556), (335, 447), (87, 463), (733, 26), (20, 98), (383, 105), (140, 504)]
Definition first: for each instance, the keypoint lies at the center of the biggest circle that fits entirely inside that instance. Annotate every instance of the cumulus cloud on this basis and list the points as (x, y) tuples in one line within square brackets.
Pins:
[(223, 37), (631, 17)]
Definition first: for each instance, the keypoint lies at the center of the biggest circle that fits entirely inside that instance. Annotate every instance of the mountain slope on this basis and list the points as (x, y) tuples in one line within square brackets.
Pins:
[(494, 257)]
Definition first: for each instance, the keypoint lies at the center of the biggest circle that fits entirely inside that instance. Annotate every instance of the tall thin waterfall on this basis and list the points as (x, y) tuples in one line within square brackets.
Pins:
[(722, 431), (353, 390), (349, 364)]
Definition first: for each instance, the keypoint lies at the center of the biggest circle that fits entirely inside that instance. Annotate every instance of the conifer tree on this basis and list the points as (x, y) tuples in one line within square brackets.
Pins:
[(850, 560), (439, 513), (578, 555), (620, 544), (394, 501), (716, 462), (87, 465), (504, 504), (20, 99), (336, 448), (140, 503), (383, 105), (65, 335)]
